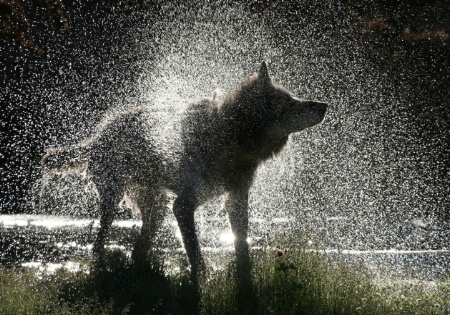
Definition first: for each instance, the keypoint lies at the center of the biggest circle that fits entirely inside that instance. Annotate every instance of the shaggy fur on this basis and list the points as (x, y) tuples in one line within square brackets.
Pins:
[(207, 149)]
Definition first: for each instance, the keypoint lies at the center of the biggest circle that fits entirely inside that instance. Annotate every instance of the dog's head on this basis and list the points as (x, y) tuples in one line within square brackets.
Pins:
[(289, 113)]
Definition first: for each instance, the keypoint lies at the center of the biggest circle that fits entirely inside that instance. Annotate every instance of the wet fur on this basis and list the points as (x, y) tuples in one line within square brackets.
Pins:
[(211, 147)]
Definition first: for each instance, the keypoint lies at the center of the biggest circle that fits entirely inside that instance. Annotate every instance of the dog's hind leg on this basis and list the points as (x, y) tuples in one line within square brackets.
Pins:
[(183, 209), (152, 205), (110, 190)]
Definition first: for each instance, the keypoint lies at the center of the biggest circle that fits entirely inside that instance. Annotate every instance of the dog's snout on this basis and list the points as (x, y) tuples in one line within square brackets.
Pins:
[(319, 108), (322, 106)]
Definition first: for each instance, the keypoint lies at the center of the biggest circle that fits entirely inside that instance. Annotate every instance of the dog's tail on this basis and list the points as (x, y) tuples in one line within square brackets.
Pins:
[(66, 159)]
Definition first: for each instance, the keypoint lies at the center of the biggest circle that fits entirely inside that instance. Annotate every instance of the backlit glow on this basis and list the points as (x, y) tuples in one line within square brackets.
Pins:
[(227, 237)]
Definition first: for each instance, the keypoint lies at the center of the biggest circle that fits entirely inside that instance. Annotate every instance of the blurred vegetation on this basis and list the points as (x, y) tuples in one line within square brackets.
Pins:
[(386, 22), (18, 21)]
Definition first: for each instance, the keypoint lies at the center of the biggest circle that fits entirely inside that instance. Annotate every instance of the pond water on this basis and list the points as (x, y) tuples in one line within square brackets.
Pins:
[(48, 242)]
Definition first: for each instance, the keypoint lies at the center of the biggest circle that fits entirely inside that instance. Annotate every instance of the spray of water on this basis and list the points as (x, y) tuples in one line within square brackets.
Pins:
[(371, 161)]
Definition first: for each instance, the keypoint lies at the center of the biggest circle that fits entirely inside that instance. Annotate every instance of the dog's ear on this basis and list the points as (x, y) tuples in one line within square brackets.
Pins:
[(264, 73)]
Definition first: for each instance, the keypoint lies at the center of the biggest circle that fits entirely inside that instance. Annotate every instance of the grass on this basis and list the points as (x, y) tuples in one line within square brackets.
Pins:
[(300, 281)]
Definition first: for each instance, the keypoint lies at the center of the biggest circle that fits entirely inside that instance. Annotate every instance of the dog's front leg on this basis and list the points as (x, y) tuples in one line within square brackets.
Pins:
[(237, 209), (183, 208)]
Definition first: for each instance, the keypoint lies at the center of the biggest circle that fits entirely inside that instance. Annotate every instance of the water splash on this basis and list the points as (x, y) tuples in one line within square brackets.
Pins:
[(379, 157), (361, 163)]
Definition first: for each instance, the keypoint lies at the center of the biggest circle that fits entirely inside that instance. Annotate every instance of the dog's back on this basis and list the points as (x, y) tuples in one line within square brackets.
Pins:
[(141, 146)]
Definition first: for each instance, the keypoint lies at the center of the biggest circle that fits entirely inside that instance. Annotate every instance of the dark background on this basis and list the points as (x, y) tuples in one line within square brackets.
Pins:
[(385, 143)]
